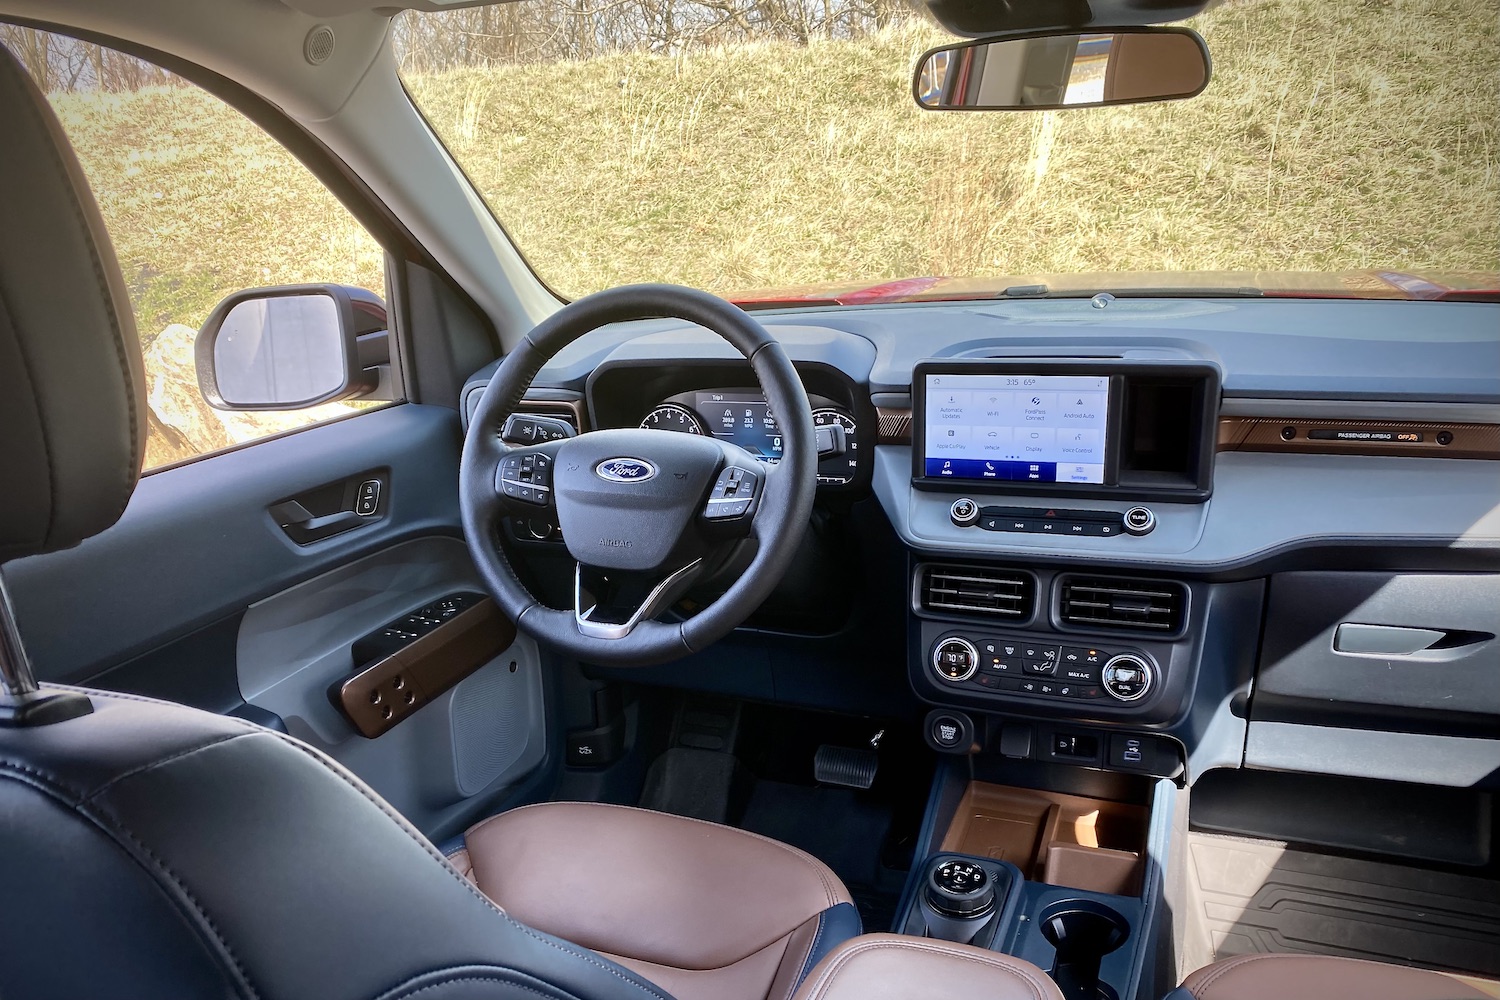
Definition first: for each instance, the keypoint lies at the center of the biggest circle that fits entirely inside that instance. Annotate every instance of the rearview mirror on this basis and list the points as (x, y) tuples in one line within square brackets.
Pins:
[(1075, 70), (291, 347)]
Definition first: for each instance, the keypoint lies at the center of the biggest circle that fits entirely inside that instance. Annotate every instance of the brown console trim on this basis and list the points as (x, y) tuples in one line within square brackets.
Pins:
[(1415, 438), (894, 425), (571, 409), (383, 694)]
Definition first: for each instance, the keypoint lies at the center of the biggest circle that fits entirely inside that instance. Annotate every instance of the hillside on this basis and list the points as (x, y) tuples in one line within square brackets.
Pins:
[(1333, 136)]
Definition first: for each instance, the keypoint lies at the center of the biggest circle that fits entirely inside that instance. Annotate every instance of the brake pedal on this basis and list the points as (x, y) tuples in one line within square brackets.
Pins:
[(849, 767)]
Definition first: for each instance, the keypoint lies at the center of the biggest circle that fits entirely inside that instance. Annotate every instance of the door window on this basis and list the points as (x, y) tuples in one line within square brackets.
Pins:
[(199, 203)]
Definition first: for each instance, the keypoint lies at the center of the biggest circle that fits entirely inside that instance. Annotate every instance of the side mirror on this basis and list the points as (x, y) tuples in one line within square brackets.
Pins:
[(291, 347), (1076, 70)]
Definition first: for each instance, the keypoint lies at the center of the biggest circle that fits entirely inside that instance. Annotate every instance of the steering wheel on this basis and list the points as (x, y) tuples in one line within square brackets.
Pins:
[(645, 513)]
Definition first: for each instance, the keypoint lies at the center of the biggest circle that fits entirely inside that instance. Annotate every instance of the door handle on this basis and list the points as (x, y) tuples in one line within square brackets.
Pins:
[(357, 501), (293, 515), (1405, 642)]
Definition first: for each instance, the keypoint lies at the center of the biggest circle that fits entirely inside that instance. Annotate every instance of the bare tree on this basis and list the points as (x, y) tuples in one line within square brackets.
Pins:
[(59, 63)]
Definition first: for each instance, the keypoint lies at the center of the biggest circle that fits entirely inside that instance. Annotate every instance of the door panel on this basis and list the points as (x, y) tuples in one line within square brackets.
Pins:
[(476, 738), (197, 543), (199, 595)]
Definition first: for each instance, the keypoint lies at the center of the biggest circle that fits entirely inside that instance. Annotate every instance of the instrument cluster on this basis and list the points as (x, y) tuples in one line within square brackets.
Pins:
[(743, 417)]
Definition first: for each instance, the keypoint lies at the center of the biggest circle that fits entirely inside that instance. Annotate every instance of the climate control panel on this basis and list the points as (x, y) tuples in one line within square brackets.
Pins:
[(978, 663)]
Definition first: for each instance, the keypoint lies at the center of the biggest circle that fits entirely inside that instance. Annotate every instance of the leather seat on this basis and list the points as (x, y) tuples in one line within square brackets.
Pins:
[(706, 912), (1318, 977), (893, 967)]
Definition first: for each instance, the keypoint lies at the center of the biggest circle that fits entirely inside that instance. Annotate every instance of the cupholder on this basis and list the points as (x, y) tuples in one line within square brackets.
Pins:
[(1083, 932)]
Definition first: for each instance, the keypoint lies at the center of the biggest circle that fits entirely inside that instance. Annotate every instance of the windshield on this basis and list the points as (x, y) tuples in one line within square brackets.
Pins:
[(770, 151)]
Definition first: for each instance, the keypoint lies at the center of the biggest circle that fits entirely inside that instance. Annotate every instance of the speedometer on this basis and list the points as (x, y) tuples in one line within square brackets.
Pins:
[(838, 470), (673, 417)]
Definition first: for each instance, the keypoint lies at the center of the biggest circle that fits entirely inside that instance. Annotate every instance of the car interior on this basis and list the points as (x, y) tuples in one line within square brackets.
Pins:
[(1054, 644)]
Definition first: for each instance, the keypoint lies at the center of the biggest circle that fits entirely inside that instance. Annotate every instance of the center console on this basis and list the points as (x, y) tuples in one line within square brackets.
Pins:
[(1063, 686), (1113, 460), (1068, 882)]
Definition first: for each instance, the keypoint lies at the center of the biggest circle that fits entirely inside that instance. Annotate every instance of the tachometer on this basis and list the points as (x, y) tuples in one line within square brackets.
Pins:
[(673, 417), (838, 470)]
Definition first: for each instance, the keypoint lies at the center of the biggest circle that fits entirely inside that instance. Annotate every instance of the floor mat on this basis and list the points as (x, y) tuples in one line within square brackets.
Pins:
[(1254, 896), (688, 782), (839, 827)]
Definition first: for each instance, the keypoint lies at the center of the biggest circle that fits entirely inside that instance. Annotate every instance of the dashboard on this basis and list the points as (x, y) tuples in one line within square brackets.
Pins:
[(1150, 530)]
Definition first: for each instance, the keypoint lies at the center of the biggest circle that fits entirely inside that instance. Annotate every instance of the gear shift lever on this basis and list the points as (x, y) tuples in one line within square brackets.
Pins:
[(958, 900)]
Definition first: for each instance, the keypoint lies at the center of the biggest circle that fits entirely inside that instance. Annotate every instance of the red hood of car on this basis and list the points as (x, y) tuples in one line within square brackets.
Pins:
[(1477, 286)]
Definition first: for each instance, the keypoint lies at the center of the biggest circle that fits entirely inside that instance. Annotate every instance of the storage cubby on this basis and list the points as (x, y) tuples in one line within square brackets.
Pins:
[(1065, 840)]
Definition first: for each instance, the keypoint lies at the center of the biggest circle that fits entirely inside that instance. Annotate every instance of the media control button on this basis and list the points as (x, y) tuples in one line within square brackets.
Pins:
[(1139, 520), (964, 512)]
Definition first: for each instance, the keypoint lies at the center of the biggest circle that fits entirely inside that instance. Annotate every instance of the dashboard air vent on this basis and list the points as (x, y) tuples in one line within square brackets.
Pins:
[(977, 590), (1118, 602)]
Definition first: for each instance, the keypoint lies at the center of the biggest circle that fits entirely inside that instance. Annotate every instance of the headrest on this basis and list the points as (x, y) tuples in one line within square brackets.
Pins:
[(72, 400)]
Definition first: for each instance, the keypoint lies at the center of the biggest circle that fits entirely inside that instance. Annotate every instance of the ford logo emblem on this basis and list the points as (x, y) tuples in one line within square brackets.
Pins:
[(625, 470)]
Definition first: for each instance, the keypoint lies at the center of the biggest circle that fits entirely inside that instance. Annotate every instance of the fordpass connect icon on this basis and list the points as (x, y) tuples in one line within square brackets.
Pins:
[(625, 470)]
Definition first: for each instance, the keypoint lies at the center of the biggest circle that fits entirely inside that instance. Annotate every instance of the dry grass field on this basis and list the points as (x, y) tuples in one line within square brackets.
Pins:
[(1335, 135)]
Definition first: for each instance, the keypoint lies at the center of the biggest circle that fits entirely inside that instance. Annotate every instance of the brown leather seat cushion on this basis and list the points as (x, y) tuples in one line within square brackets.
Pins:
[(1318, 977), (702, 910), (892, 967)]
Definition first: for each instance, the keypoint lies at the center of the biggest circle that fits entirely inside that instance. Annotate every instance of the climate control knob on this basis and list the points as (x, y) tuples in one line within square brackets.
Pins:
[(955, 659), (1128, 677)]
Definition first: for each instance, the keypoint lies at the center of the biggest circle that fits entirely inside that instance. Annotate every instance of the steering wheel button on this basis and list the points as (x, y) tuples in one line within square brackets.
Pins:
[(723, 511)]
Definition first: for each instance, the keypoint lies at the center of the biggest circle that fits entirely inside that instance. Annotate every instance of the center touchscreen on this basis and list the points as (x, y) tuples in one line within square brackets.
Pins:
[(1029, 428)]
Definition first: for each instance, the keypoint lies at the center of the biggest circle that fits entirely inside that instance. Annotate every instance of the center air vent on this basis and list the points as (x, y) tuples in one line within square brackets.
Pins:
[(1117, 602), (977, 590)]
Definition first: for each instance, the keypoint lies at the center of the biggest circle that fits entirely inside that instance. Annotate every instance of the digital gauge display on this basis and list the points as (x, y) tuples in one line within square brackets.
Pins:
[(744, 418)]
